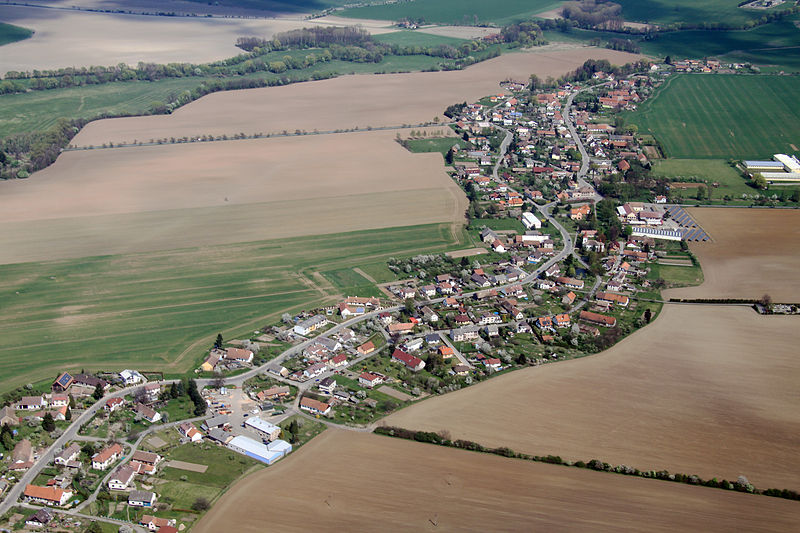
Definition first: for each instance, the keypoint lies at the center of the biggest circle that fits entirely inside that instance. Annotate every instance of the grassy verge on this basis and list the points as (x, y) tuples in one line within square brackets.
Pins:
[(10, 33)]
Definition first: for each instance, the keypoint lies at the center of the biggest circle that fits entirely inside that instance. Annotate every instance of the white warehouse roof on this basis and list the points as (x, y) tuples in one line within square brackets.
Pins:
[(254, 449), (790, 163), (261, 425)]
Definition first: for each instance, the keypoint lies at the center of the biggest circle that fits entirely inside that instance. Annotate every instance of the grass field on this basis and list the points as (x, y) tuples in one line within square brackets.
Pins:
[(223, 465), (466, 12), (10, 33), (711, 170), (722, 116), (415, 38), (289, 6), (160, 311), (438, 144), (691, 11)]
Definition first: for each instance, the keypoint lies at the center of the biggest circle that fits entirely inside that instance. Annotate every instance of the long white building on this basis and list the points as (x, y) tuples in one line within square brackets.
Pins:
[(783, 167)]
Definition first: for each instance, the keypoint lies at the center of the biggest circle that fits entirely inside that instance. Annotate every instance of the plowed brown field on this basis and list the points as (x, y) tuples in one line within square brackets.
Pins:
[(345, 481)]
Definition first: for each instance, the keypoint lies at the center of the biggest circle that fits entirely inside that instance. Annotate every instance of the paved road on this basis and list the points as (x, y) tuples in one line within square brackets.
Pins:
[(506, 142), (565, 114)]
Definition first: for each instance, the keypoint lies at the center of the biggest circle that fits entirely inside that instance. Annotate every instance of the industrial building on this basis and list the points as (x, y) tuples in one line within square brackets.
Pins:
[(266, 453), (266, 429), (782, 168)]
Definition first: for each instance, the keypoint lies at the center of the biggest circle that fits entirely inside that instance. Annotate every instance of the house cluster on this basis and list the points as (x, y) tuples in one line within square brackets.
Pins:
[(697, 65), (227, 359)]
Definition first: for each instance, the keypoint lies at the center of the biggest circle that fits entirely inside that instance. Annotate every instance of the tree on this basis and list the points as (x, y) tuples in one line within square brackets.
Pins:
[(648, 315), (48, 424), (759, 181), (88, 449), (796, 196), (701, 193), (94, 527), (68, 414), (98, 392), (218, 382), (201, 504), (409, 306), (218, 342), (6, 438), (766, 301), (71, 401)]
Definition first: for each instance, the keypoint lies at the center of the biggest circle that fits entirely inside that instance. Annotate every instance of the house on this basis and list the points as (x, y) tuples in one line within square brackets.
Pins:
[(490, 318), (310, 325), (492, 364), (266, 429), (63, 382), (369, 379), (217, 422), (8, 416), (327, 385), (597, 318), (492, 330), (47, 495), (141, 498), (619, 299), (188, 431), (273, 393), (40, 518), (488, 235), (523, 327), (572, 283), (90, 381), (239, 355), (366, 348), (211, 361), (151, 392), (568, 298), (31, 403), (461, 370), (122, 477), (464, 334), (433, 339), (106, 457), (554, 270), (429, 314), (131, 377), (58, 400), (145, 461), (401, 327), (413, 363), (147, 413), (561, 320), (498, 247), (412, 345), (314, 406), (21, 455), (580, 212), (70, 453), (154, 523), (446, 352), (114, 404), (544, 322), (315, 370)]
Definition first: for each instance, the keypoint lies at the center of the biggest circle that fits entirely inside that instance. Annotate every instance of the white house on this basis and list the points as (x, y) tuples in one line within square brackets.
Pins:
[(122, 477), (530, 220), (310, 325), (141, 498), (131, 377)]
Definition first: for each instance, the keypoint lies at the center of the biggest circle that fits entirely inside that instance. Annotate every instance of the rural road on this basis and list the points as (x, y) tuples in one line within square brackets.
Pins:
[(565, 114)]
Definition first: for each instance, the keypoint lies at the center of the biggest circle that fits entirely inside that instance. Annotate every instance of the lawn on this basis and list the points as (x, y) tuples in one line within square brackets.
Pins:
[(182, 494), (10, 33), (436, 144), (498, 224), (723, 116), (350, 283), (676, 276), (466, 12), (163, 309), (224, 465)]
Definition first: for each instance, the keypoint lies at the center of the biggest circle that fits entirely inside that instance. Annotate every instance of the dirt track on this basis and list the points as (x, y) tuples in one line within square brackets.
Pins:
[(702, 390), (360, 482)]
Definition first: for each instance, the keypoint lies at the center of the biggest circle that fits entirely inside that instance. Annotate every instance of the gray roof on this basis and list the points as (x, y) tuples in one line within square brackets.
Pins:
[(217, 421), (141, 496)]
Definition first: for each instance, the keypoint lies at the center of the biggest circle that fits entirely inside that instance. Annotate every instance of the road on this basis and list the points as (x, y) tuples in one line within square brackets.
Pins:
[(503, 149), (565, 114)]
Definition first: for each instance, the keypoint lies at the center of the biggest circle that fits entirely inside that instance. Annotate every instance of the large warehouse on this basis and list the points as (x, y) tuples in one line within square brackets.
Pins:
[(782, 168), (258, 451)]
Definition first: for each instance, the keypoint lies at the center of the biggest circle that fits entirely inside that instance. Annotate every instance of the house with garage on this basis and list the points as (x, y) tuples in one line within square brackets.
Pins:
[(131, 377), (31, 403), (370, 380), (67, 455), (46, 495), (310, 325), (413, 363), (155, 523), (114, 404), (315, 407), (190, 432), (122, 477), (106, 457), (238, 355), (147, 413), (141, 498)]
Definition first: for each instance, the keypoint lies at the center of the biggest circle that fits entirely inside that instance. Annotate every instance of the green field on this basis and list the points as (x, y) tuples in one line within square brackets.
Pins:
[(224, 465), (690, 11), (161, 311), (723, 116), (436, 144), (10, 33), (467, 12), (287, 6), (416, 38)]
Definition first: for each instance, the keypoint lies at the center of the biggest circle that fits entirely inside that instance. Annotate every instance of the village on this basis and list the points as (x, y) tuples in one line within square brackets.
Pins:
[(557, 272)]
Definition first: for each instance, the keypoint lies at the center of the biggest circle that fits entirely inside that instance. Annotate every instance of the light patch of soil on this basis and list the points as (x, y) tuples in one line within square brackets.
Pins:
[(361, 480), (703, 390), (466, 253), (755, 251), (341, 103), (191, 467), (394, 393)]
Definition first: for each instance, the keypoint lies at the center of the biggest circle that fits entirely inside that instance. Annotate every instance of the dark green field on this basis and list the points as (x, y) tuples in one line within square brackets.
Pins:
[(160, 311), (691, 11), (416, 38), (723, 116), (467, 12), (10, 33)]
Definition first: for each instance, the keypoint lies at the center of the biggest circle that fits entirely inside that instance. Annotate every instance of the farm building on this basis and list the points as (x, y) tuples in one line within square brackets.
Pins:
[(266, 429), (530, 220), (783, 168), (260, 452)]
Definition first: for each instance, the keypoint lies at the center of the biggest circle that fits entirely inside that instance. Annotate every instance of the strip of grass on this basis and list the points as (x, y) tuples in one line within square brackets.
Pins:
[(436, 144), (498, 224), (723, 116), (417, 38), (11, 34), (101, 313)]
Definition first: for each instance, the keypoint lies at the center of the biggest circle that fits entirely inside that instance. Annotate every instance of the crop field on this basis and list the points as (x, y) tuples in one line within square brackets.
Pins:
[(754, 252), (342, 103), (10, 33), (429, 488), (416, 38), (467, 12), (663, 398), (138, 199), (160, 311), (691, 11), (721, 117)]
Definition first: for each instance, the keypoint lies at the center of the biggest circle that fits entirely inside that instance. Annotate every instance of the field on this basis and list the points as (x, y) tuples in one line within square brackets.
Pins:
[(754, 252), (342, 103), (415, 38), (690, 11), (10, 33), (160, 311), (150, 198), (361, 480), (719, 116), (453, 11), (776, 44), (664, 398)]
